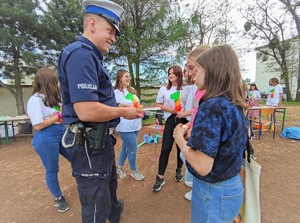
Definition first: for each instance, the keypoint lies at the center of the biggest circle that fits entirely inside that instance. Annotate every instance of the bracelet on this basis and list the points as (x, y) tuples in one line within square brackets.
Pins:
[(58, 115)]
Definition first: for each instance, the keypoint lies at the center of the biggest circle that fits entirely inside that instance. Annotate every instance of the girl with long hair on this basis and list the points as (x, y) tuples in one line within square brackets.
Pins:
[(214, 152), (128, 129), (169, 99), (43, 109)]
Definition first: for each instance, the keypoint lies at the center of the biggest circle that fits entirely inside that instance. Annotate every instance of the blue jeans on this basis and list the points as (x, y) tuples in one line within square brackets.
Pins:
[(47, 144), (216, 202), (129, 149), (188, 176)]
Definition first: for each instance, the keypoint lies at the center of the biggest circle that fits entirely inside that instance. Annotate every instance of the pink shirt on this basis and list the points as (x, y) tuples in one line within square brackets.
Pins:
[(198, 95)]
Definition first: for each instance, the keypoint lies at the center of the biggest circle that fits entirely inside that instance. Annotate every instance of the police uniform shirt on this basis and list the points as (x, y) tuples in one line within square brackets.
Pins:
[(83, 78)]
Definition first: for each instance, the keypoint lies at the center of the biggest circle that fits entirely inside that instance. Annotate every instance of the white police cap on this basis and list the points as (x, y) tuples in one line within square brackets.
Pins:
[(109, 10)]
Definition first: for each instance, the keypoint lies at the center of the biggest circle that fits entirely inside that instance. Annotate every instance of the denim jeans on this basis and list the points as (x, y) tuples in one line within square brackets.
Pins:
[(129, 149), (47, 144), (216, 202), (188, 176)]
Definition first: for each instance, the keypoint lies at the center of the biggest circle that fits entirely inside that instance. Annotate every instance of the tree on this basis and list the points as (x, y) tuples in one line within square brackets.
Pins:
[(62, 22), (210, 22), (152, 32), (19, 30), (267, 26), (293, 7)]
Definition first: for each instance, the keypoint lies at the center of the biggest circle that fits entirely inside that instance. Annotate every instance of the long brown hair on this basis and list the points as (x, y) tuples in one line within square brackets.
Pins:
[(178, 73), (46, 83), (193, 56), (118, 84), (222, 74)]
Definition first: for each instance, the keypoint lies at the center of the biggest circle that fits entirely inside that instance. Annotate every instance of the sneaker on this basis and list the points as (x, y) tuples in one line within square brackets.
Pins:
[(121, 173), (61, 204), (188, 195), (158, 184), (188, 183), (137, 175), (179, 176)]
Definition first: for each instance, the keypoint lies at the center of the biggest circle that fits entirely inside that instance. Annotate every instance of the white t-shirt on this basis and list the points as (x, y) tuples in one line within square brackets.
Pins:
[(186, 91), (37, 110), (254, 95), (274, 95), (125, 125), (190, 100), (171, 98)]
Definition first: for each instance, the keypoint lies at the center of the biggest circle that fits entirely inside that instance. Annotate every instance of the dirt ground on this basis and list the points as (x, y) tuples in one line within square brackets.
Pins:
[(25, 198)]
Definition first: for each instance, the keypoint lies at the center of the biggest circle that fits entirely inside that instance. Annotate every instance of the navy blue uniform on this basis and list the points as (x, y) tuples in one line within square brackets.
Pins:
[(83, 78)]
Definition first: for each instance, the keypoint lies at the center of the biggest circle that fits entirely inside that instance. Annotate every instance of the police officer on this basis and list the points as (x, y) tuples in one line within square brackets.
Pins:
[(91, 113)]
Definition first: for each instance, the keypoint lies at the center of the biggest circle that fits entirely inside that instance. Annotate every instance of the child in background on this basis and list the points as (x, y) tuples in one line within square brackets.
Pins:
[(253, 99), (214, 152), (275, 93)]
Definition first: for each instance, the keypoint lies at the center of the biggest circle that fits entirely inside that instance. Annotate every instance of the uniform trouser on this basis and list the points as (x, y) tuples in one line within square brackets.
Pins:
[(47, 144), (95, 174), (167, 144)]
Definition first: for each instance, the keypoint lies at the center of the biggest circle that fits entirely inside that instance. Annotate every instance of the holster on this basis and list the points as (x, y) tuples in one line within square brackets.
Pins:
[(96, 133)]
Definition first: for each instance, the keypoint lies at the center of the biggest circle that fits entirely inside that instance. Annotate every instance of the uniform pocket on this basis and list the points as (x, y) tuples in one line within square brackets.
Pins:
[(231, 205)]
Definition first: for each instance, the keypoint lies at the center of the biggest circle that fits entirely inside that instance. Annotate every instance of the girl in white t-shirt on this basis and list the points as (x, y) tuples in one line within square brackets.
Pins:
[(128, 129), (43, 109), (253, 100), (275, 93), (169, 99)]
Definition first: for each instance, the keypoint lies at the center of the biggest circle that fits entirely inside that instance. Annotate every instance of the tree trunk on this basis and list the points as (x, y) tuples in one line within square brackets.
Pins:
[(19, 101), (287, 85), (138, 80), (298, 86), (292, 10)]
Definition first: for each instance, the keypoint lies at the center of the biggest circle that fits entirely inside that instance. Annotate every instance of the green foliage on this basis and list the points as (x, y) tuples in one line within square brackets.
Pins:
[(62, 23), (247, 26), (19, 30), (151, 29)]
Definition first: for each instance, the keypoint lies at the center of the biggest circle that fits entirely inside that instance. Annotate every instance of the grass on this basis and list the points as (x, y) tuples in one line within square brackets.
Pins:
[(291, 103), (262, 103)]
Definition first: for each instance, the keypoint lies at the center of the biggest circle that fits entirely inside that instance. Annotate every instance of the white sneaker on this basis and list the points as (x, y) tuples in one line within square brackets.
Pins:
[(188, 183), (188, 195), (121, 173), (137, 175)]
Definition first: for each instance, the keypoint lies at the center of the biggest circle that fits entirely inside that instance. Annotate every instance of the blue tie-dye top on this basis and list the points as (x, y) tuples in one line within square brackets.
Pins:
[(220, 132)]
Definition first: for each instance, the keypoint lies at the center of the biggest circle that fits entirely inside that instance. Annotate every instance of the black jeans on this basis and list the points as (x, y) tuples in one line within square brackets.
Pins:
[(167, 144)]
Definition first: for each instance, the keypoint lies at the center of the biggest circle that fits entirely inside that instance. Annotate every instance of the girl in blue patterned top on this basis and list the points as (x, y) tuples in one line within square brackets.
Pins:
[(214, 152)]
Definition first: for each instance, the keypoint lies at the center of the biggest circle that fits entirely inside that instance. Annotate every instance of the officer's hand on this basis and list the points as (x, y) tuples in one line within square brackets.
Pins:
[(132, 113)]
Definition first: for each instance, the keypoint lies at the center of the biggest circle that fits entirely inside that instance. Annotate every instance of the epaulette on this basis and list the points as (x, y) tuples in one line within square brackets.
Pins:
[(83, 45)]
